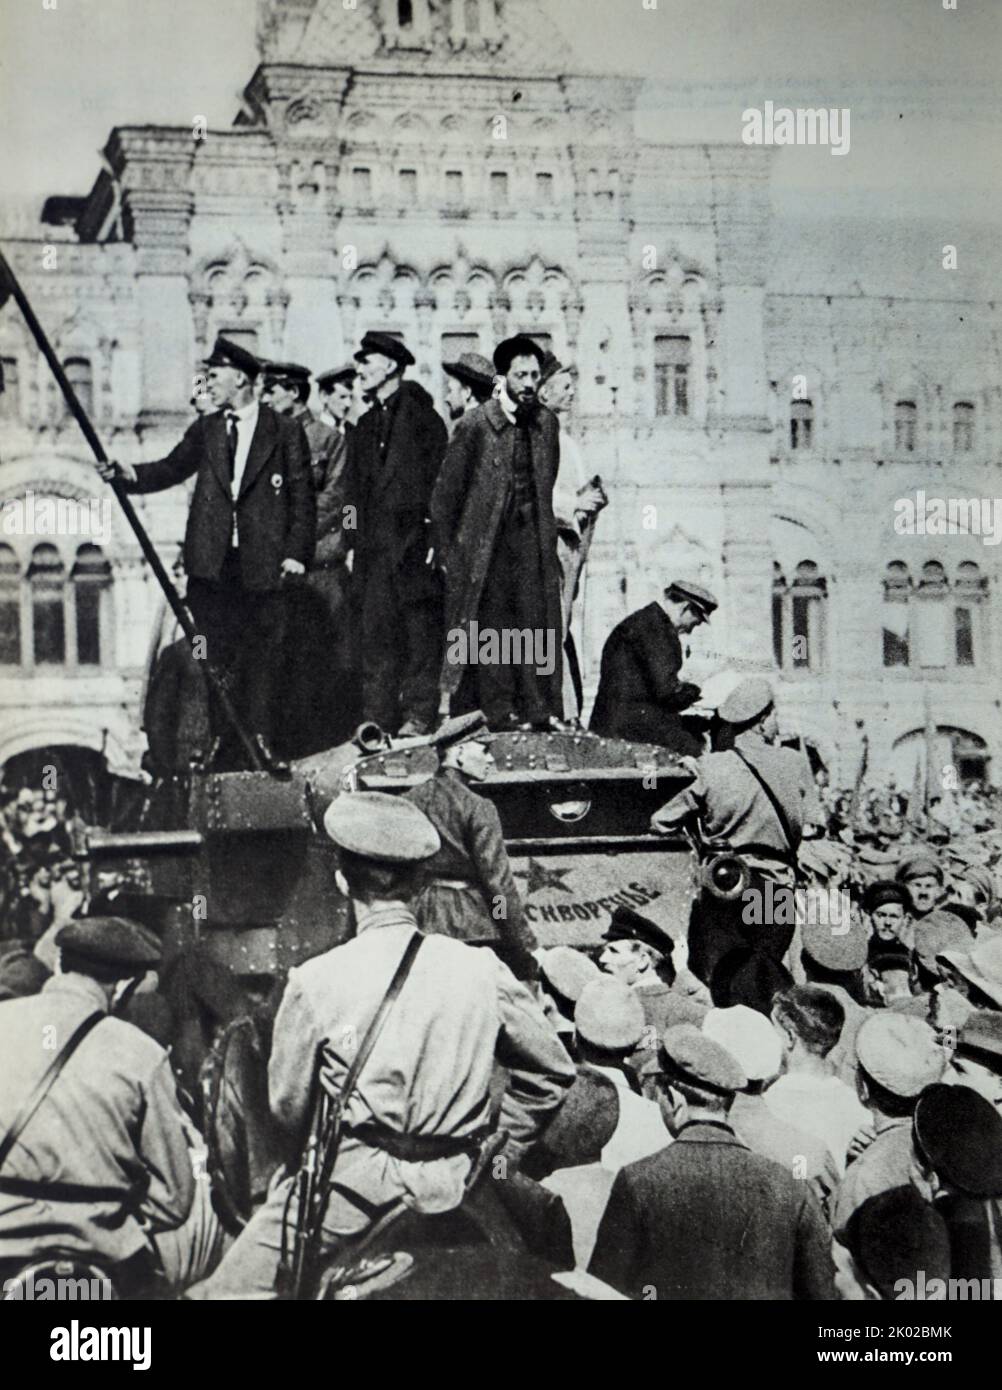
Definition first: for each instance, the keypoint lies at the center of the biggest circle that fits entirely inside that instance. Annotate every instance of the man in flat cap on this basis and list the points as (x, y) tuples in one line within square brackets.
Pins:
[(422, 1108), (470, 893), (102, 1165), (495, 533), (640, 695), (470, 382), (751, 799), (394, 456), (251, 529), (705, 1218)]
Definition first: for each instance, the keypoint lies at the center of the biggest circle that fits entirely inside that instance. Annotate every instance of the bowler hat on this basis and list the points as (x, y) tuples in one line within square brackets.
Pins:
[(519, 346), (387, 346), (227, 354)]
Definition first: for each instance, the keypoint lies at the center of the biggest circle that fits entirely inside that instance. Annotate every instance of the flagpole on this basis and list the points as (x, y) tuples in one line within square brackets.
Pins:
[(9, 281)]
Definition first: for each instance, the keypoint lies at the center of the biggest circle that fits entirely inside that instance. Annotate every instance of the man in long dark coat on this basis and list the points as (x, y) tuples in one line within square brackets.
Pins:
[(394, 455), (640, 695), (496, 539)]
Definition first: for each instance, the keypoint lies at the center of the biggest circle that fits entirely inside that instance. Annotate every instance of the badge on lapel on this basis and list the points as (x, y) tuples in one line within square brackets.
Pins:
[(276, 481)]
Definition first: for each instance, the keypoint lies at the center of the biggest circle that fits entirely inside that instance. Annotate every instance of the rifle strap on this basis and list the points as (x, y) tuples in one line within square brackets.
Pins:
[(773, 800), (381, 1015), (46, 1081)]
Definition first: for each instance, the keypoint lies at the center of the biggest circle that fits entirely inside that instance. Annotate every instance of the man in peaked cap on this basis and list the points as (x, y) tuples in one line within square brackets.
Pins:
[(922, 875), (287, 390), (423, 1107), (470, 892), (892, 1237), (977, 1058), (898, 1057), (887, 905), (495, 537), (102, 1167), (470, 383), (251, 529), (640, 693), (705, 1218), (751, 799), (394, 456)]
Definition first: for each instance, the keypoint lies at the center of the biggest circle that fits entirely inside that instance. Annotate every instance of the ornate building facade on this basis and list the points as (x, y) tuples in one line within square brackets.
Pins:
[(437, 169)]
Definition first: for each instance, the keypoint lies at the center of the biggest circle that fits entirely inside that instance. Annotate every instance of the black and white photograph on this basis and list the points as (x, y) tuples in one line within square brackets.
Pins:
[(501, 665)]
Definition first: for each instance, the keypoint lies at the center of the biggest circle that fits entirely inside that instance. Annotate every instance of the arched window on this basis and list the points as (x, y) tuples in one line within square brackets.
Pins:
[(970, 580), (405, 14), (963, 427), (10, 608), (970, 590), (91, 580), (81, 378), (47, 577), (897, 587), (672, 363), (798, 635), (801, 424), (905, 417), (933, 579)]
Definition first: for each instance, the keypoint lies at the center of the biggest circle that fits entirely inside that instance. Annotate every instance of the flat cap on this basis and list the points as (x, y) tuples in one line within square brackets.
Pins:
[(981, 965), (285, 371), (110, 941), (885, 891), (749, 1037), (521, 345), (609, 1015), (893, 1235), (900, 1053), (693, 593), (346, 372), (227, 354), (836, 945), (918, 864), (981, 1038), (627, 925), (387, 346), (959, 1135), (937, 932), (687, 1055), (568, 971), (462, 727), (389, 829), (552, 366), (747, 701), (471, 369)]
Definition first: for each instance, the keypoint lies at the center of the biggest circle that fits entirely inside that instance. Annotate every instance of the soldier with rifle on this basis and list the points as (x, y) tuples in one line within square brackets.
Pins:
[(382, 1057)]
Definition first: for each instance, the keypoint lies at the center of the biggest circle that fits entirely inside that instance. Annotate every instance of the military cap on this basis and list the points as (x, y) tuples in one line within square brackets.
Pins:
[(693, 593), (959, 1135), (461, 728), (749, 1037), (609, 1015), (389, 829), (286, 371), (568, 971), (918, 864), (885, 891), (472, 370), (828, 945), (893, 1235), (387, 346), (227, 354), (111, 941), (688, 1056), (627, 925), (900, 1053), (981, 1038), (937, 932), (346, 372), (519, 346), (747, 701), (981, 965)]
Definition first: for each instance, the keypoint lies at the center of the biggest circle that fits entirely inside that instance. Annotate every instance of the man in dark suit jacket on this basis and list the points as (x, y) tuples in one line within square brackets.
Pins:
[(394, 454), (705, 1218), (251, 528), (496, 539), (640, 695)]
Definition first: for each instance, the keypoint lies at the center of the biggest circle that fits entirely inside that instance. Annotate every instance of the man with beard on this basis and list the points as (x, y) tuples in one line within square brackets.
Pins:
[(471, 383), (492, 512), (394, 455)]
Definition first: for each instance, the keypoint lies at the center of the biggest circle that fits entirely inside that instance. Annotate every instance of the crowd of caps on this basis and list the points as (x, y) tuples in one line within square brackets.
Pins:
[(825, 1125)]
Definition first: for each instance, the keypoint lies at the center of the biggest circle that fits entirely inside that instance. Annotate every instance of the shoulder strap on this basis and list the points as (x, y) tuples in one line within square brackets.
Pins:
[(773, 799), (382, 1014), (46, 1081)]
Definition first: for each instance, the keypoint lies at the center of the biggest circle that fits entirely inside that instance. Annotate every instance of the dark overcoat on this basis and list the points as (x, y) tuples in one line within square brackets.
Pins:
[(639, 694), (468, 507), (276, 508)]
